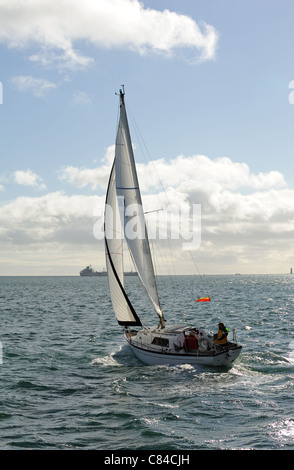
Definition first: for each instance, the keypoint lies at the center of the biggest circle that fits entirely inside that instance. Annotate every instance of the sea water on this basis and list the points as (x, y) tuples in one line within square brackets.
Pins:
[(69, 380)]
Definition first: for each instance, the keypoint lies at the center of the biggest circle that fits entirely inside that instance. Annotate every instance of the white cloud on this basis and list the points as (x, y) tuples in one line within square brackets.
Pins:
[(3, 179), (196, 171), (81, 97), (67, 59), (56, 26), (54, 216), (38, 86), (28, 178), (247, 219), (96, 177), (201, 171), (249, 213)]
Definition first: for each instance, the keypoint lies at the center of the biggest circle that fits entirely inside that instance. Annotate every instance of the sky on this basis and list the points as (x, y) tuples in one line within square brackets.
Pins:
[(210, 98)]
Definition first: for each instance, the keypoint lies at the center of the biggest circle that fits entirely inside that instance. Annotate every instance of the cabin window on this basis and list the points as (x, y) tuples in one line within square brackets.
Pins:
[(160, 341)]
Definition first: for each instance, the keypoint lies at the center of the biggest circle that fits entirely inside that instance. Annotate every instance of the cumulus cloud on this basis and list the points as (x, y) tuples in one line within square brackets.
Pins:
[(201, 171), (54, 216), (192, 171), (81, 97), (240, 209), (56, 27), (28, 178), (95, 177), (247, 218), (38, 86)]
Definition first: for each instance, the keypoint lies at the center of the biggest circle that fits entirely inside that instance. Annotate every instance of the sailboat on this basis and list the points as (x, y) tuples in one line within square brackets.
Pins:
[(161, 344)]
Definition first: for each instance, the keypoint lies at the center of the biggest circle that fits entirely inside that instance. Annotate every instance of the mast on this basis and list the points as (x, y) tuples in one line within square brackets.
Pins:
[(122, 95)]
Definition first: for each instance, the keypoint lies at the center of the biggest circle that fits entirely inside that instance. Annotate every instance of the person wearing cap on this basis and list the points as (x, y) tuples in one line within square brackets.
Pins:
[(191, 341), (222, 335)]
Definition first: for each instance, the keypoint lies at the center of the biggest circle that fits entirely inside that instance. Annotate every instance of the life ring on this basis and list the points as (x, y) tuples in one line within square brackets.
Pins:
[(205, 343)]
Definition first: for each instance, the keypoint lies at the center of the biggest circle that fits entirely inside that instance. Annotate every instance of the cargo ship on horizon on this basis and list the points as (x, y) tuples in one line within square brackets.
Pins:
[(90, 272)]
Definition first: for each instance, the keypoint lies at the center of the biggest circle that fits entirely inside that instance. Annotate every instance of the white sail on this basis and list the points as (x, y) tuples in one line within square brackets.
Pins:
[(127, 188), (124, 311)]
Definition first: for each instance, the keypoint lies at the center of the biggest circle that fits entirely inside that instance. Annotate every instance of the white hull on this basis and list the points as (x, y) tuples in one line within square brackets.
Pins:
[(224, 359), (158, 355)]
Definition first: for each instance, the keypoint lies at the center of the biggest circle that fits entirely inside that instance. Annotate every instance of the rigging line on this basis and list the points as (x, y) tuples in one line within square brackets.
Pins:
[(141, 139), (161, 261), (155, 243), (156, 210), (149, 160)]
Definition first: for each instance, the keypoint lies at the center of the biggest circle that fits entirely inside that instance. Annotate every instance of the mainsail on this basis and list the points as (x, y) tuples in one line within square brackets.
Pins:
[(124, 187), (122, 307)]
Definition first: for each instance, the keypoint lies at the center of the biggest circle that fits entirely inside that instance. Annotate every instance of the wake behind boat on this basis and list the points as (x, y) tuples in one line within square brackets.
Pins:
[(178, 344)]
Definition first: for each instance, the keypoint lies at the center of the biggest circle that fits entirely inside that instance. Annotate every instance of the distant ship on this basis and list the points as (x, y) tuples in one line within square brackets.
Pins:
[(291, 271), (89, 271)]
